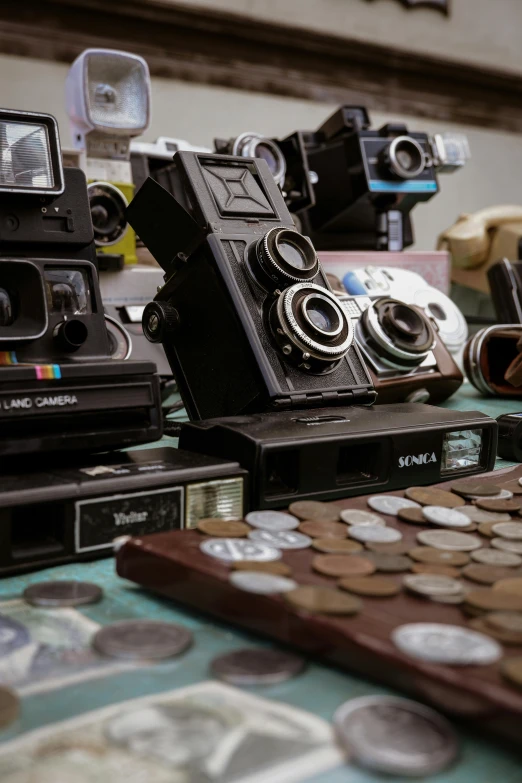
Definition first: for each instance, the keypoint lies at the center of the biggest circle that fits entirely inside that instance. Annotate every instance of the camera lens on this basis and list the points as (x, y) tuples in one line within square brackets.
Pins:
[(107, 204), (310, 327), (6, 308), (404, 157), (400, 334), (253, 145), (284, 256), (71, 335)]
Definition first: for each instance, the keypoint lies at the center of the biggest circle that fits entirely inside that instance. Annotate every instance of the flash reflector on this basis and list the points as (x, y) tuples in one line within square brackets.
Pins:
[(223, 498), (450, 151), (30, 160), (460, 450)]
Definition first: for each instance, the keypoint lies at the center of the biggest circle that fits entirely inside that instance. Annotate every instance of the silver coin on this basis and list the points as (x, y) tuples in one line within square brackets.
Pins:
[(232, 550), (260, 583), (253, 666), (142, 640), (432, 584), (395, 736), (272, 520), (506, 545), (504, 494), (449, 644), (354, 516), (390, 504), (520, 481), (283, 539), (62, 593), (511, 530), (476, 514), (496, 557), (374, 533), (450, 540), (446, 517)]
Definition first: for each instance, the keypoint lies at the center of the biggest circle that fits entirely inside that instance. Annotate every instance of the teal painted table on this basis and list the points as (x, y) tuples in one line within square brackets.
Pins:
[(319, 690)]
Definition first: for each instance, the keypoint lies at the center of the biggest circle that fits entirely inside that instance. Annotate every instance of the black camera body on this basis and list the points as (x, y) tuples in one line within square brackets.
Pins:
[(365, 182), (246, 316), (59, 387)]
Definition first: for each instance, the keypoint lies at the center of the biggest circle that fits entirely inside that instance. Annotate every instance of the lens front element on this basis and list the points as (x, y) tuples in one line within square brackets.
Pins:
[(405, 158), (284, 256), (400, 334)]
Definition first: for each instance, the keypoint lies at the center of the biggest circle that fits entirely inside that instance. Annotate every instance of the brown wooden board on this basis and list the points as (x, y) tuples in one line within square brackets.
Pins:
[(173, 565)]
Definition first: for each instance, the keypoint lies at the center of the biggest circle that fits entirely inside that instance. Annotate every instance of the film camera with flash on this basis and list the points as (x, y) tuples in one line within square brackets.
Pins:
[(59, 387), (108, 102)]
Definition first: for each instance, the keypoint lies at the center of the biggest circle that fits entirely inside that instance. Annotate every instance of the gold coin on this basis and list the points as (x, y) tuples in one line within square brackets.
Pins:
[(506, 637), (376, 586), (500, 504), (511, 669), (510, 585), (336, 545), (428, 554), (315, 510), (394, 548), (413, 515), (428, 496), (317, 528), (435, 568), (325, 600), (276, 567), (505, 621), (9, 706), (342, 565), (484, 574), (224, 528), (489, 600)]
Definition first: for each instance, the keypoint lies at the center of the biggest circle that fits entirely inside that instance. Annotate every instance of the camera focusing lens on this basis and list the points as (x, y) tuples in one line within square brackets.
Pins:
[(401, 335), (265, 152), (107, 204), (405, 320), (253, 145), (284, 256), (322, 315), (6, 308), (404, 157)]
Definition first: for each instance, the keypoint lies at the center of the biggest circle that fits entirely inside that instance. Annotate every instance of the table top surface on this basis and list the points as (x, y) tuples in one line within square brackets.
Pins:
[(320, 689)]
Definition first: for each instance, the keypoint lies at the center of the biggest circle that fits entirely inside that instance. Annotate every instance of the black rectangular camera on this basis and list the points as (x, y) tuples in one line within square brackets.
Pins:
[(246, 316), (64, 383)]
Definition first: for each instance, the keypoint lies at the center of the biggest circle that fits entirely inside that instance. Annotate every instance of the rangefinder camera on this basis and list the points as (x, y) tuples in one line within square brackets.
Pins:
[(264, 332), (60, 388), (403, 351)]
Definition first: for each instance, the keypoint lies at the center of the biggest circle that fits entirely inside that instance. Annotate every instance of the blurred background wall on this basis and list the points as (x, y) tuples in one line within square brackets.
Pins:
[(220, 67)]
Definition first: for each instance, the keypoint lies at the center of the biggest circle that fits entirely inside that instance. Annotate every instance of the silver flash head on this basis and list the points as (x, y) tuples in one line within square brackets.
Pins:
[(30, 157)]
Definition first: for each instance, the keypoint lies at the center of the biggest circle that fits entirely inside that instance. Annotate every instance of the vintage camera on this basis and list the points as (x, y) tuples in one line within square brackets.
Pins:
[(493, 360), (354, 187), (246, 316), (108, 102), (154, 159), (402, 349), (59, 387), (254, 145)]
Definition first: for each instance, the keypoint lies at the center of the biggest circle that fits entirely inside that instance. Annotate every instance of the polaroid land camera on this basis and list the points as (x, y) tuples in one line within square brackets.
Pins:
[(246, 316), (59, 387), (108, 102), (354, 188)]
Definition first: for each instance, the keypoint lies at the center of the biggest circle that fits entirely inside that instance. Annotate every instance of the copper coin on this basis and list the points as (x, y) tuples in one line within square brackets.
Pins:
[(412, 514), (428, 554), (336, 545), (510, 585), (511, 669), (506, 637), (489, 600), (484, 574), (325, 600), (513, 486), (316, 528), (392, 564), (276, 567), (428, 496), (490, 504), (486, 529), (505, 621), (342, 565), (435, 568), (315, 510), (223, 528), (395, 548), (376, 586), (467, 487)]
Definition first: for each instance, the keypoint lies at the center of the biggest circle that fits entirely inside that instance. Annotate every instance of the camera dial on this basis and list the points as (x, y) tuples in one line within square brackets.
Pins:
[(401, 334), (284, 256), (311, 327), (108, 206), (404, 158), (253, 145)]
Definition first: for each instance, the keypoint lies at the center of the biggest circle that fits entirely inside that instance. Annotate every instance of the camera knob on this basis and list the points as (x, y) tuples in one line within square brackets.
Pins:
[(159, 321)]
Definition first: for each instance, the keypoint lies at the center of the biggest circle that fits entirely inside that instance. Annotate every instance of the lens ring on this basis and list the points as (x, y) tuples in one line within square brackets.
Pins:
[(393, 157), (294, 331), (114, 195), (399, 355), (271, 257), (246, 145), (120, 336), (305, 309)]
